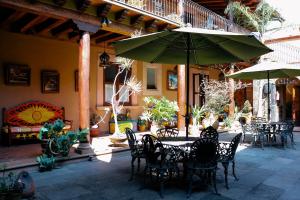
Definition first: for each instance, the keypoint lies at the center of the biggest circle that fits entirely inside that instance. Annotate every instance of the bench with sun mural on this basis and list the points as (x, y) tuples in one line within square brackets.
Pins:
[(24, 121)]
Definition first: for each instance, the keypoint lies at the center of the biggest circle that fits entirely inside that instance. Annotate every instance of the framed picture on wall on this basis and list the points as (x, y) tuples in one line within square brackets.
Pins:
[(172, 80), (16, 74), (50, 81), (76, 80)]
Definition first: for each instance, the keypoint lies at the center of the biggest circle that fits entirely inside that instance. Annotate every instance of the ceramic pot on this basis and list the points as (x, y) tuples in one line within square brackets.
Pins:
[(94, 132)]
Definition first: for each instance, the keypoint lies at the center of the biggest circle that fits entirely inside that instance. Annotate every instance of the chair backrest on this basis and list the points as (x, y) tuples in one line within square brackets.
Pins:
[(131, 138), (234, 145), (247, 128), (209, 132), (167, 132), (152, 148), (204, 152)]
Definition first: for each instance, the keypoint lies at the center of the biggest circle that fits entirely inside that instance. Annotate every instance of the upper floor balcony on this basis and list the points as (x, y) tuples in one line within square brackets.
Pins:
[(177, 12)]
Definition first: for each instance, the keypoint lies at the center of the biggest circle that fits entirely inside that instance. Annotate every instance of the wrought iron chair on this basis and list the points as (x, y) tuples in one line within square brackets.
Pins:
[(167, 132), (247, 129), (209, 132), (202, 161), (135, 148), (160, 161), (261, 132), (286, 130), (226, 155)]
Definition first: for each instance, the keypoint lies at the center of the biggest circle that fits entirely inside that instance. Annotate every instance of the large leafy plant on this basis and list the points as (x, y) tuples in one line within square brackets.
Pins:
[(159, 110), (9, 185), (256, 20)]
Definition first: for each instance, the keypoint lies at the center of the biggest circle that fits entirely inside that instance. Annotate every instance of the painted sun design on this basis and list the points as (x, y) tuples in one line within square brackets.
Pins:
[(36, 114)]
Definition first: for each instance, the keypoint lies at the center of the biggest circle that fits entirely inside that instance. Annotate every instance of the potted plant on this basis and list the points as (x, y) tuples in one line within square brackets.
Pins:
[(10, 187), (94, 128), (46, 162), (95, 120), (247, 111), (141, 123), (159, 111), (197, 114), (57, 141)]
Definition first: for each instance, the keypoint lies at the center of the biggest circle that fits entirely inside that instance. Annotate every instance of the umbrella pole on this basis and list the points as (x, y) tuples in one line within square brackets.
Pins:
[(187, 117), (269, 108)]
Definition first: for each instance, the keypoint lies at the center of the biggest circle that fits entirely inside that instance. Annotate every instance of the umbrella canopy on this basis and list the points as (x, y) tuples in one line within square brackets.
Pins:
[(260, 71), (191, 46), (267, 70), (205, 46)]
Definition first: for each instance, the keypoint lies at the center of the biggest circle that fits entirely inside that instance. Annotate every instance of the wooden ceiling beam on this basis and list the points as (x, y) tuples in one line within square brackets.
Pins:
[(74, 36), (66, 27), (52, 26), (62, 13), (102, 36), (32, 23), (112, 39), (13, 18)]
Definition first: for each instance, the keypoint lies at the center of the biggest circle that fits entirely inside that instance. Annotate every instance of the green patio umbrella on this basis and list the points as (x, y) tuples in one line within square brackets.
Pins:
[(189, 45), (267, 70)]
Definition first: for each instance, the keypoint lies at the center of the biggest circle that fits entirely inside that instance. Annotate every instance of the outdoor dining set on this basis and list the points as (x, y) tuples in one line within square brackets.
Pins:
[(169, 157), (269, 133)]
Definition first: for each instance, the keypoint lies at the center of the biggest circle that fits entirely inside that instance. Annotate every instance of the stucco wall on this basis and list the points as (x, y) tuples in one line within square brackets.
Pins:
[(44, 54)]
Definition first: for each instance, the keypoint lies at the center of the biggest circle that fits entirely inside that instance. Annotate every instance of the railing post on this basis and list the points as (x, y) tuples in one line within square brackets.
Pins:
[(181, 10)]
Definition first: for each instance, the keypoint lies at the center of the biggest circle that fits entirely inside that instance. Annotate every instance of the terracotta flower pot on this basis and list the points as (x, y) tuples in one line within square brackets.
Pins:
[(94, 132)]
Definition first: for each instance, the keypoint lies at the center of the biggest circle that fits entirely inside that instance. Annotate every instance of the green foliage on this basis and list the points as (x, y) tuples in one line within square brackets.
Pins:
[(242, 15), (253, 20), (228, 122), (198, 112), (159, 110), (51, 130), (247, 107), (9, 184), (61, 141), (141, 121), (46, 162)]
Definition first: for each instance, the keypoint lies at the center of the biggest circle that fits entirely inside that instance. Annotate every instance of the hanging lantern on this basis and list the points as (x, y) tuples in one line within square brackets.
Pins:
[(104, 58)]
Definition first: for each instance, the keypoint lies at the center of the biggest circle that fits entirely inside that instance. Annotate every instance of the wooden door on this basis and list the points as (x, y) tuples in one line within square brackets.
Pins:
[(198, 93)]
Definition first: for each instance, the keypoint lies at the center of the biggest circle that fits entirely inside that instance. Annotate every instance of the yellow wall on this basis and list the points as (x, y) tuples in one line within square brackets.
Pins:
[(48, 54), (39, 54)]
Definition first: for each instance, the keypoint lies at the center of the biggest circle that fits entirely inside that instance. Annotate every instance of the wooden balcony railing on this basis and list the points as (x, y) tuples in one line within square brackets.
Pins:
[(184, 11)]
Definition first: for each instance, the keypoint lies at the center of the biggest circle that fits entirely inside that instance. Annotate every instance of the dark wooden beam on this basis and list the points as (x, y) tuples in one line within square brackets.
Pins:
[(66, 27), (45, 28), (103, 10), (137, 20), (121, 15), (102, 36), (59, 2), (82, 5), (62, 13), (107, 37), (112, 39), (30, 24), (5, 13), (151, 26), (98, 33), (74, 36), (12, 18)]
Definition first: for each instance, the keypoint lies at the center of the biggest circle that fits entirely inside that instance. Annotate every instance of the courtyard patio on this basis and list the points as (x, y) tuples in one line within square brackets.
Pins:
[(269, 173)]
